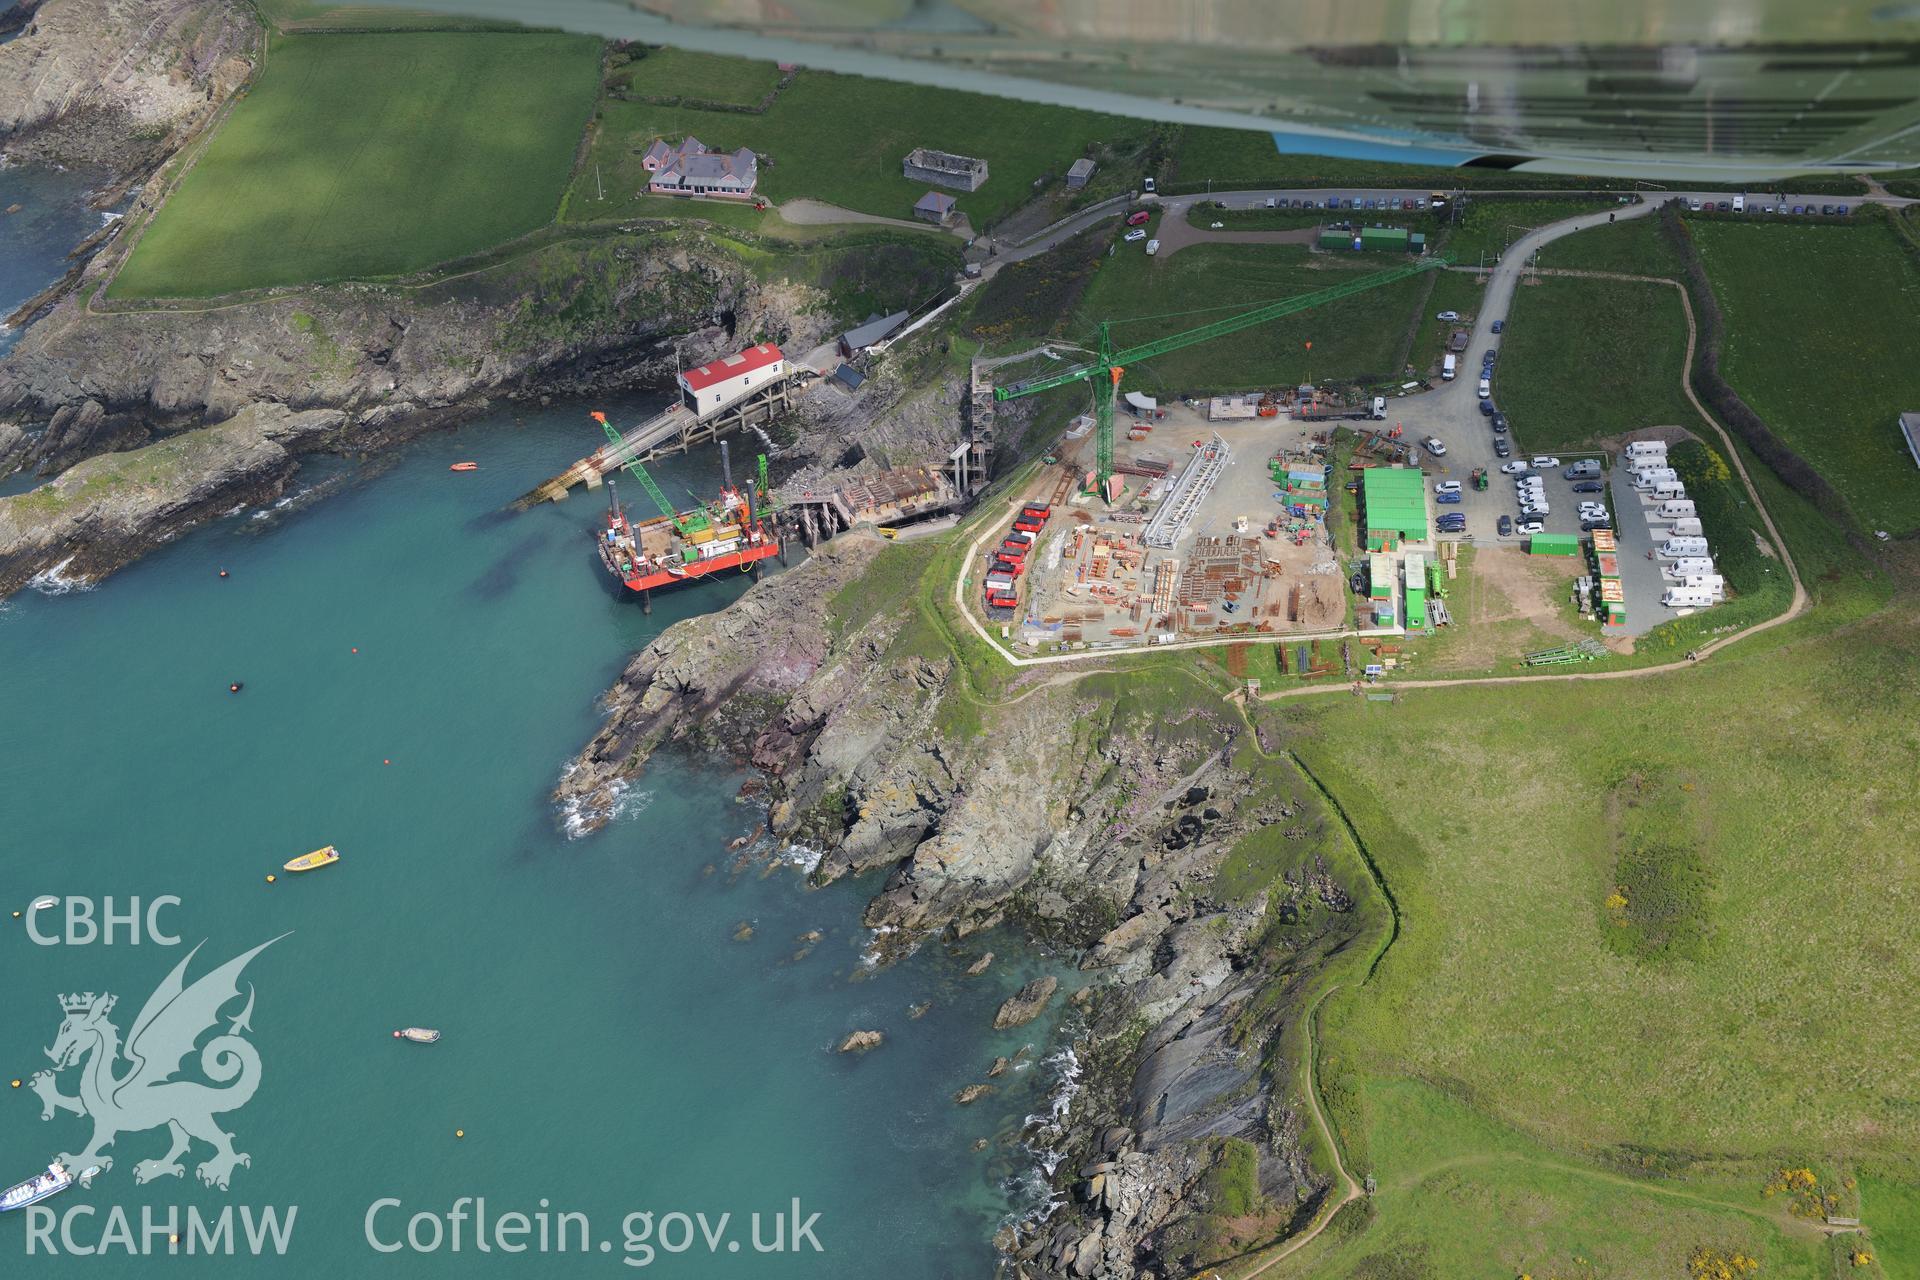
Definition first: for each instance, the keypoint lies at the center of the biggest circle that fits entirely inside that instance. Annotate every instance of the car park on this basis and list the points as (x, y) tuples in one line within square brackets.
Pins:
[(1446, 486), (1136, 234), (1513, 468), (1435, 446), (1505, 526), (1501, 449), (1543, 462)]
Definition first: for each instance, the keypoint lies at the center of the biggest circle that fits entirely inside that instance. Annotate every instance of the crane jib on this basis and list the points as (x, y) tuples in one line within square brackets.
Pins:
[(1220, 328)]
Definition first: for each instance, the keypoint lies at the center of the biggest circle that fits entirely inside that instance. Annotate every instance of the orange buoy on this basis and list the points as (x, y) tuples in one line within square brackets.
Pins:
[(234, 687), (223, 573), (356, 648), (386, 762)]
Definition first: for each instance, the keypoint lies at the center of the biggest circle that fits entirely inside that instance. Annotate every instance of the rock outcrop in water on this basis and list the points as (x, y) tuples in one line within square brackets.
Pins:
[(1093, 810), (112, 509)]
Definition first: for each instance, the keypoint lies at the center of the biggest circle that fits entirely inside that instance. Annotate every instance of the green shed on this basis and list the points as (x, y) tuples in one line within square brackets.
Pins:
[(1383, 238), (1554, 544), (1394, 503), (1336, 239)]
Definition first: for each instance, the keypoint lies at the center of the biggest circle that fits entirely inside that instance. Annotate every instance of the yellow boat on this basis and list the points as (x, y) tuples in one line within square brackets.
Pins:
[(318, 858)]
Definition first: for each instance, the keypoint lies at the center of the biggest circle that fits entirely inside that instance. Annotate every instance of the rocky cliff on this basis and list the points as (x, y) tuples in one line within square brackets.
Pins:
[(117, 83), (1128, 817)]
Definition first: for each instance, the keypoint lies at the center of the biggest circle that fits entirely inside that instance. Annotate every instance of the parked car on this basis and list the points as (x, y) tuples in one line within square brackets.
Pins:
[(1512, 468), (1499, 421), (1447, 486), (1799, 209), (1595, 522), (1448, 315), (1136, 218), (1146, 185), (1499, 325), (1486, 357), (1435, 446), (1505, 527), (1532, 526), (1545, 463), (1452, 522), (1447, 499), (1725, 206), (1589, 486), (1839, 211), (1358, 582), (1694, 205), (1135, 234), (1486, 408), (1501, 449)]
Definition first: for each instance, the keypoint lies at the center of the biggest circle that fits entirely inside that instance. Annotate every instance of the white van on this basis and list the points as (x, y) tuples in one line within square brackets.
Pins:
[(1687, 598), (1486, 388), (1153, 247), (1650, 480), (1680, 569), (1739, 204), (1675, 510), (1647, 449), (1678, 548), (1448, 366), (1379, 408), (1712, 583), (1686, 527), (1671, 491)]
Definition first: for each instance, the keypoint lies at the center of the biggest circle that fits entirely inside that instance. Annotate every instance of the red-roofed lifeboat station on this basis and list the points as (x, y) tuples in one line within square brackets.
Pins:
[(729, 378)]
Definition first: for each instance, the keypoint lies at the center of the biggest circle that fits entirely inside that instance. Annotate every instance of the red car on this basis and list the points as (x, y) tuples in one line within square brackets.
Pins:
[(1135, 219)]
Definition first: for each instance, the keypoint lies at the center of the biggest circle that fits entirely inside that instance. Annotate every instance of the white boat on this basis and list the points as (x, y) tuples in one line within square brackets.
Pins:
[(37, 1188), (419, 1035)]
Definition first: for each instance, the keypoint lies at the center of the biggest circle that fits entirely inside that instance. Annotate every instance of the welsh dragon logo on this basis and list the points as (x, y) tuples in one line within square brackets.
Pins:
[(145, 1095)]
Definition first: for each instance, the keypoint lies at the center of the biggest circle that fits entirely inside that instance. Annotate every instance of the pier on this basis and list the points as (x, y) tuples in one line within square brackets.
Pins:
[(674, 429)]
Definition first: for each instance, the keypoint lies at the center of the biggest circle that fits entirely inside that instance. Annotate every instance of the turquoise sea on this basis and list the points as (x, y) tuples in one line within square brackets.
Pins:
[(418, 667)]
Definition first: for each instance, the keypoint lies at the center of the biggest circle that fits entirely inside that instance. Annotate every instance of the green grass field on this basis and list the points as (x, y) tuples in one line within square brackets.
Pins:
[(841, 139), (1823, 328), (1489, 226), (1783, 1036), (1634, 247), (1356, 337), (698, 77), (1585, 359), (372, 155)]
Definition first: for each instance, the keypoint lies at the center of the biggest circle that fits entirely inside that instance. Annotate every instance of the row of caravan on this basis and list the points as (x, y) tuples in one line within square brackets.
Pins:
[(1693, 582)]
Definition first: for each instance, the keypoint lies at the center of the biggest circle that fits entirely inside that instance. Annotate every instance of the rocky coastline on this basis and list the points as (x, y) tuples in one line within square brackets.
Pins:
[(1095, 820)]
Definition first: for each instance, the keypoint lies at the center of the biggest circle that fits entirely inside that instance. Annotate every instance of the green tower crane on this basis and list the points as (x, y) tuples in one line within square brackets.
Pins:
[(1112, 364), (688, 524)]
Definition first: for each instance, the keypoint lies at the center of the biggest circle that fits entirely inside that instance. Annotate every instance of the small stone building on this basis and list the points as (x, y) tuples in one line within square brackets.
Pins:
[(1079, 174), (943, 169), (934, 207)]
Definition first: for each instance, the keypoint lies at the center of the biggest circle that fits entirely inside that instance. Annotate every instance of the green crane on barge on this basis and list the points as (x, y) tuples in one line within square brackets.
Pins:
[(1109, 364)]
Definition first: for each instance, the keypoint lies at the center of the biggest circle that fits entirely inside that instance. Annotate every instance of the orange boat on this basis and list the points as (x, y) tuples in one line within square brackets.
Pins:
[(464, 466)]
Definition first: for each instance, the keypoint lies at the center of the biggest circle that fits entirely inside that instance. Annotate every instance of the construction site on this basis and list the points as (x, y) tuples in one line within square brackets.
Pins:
[(1214, 529), (1152, 524)]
